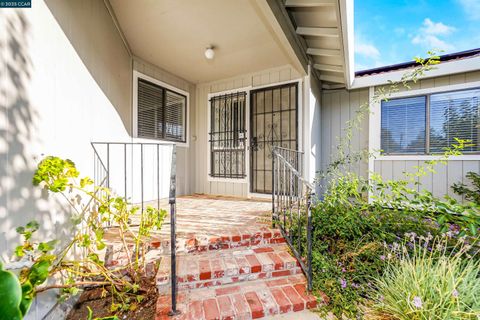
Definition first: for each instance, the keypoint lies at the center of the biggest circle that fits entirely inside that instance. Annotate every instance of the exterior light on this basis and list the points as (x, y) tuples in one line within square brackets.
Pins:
[(209, 53)]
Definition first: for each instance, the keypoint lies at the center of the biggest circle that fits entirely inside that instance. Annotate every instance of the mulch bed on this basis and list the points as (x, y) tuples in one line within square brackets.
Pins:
[(101, 306)]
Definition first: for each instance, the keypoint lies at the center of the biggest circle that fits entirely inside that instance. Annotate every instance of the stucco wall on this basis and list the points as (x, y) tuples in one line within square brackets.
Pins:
[(65, 81)]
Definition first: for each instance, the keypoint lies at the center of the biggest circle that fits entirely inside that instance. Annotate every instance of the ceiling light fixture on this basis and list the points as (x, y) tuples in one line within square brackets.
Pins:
[(209, 53)]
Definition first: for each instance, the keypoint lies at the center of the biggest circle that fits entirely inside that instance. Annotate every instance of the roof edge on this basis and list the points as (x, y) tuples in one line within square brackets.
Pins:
[(409, 64)]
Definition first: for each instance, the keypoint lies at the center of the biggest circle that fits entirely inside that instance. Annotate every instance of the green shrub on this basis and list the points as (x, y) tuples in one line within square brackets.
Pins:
[(471, 193), (348, 237), (430, 283)]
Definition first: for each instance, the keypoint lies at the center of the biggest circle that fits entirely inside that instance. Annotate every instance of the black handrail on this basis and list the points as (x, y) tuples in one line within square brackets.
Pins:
[(102, 177), (291, 193)]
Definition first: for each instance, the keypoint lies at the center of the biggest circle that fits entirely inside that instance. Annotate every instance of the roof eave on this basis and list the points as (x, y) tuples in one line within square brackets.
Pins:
[(442, 69)]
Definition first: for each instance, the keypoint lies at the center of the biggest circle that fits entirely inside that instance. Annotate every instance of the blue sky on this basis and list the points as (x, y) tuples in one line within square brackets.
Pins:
[(394, 31)]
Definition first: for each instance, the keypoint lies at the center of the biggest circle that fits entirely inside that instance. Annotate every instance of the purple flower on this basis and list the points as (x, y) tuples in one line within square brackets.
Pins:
[(343, 270), (343, 283), (417, 302), (382, 257), (355, 285), (455, 293)]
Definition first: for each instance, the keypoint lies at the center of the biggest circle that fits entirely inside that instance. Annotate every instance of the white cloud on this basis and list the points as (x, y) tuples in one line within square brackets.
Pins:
[(367, 50), (429, 35), (471, 8), (436, 28)]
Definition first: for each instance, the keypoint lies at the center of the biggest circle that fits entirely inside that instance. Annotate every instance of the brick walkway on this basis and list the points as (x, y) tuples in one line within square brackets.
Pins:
[(230, 263)]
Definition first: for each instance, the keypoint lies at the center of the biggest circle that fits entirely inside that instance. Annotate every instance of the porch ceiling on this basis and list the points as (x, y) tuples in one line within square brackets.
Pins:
[(173, 35), (322, 27)]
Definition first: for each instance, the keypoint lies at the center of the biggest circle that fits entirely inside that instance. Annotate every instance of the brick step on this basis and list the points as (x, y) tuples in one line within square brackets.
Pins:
[(248, 300), (217, 268), (254, 236), (193, 244)]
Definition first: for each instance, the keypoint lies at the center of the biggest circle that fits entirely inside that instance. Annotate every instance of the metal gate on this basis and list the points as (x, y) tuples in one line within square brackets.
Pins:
[(273, 122)]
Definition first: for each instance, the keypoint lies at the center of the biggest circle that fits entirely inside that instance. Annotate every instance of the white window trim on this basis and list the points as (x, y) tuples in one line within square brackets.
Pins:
[(138, 75), (374, 142)]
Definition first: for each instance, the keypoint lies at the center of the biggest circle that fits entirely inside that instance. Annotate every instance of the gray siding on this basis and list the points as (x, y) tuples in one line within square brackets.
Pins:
[(440, 182), (338, 106)]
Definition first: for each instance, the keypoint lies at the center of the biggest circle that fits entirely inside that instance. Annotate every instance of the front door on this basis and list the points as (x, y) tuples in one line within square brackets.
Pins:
[(273, 122)]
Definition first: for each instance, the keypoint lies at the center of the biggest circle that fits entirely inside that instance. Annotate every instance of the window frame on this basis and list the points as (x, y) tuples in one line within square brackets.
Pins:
[(139, 75), (427, 93)]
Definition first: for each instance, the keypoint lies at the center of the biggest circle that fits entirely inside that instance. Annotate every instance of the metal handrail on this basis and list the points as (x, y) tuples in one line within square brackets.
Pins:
[(288, 196), (105, 181)]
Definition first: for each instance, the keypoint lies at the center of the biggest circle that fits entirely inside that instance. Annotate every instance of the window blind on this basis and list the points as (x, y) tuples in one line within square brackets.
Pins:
[(454, 115), (403, 123), (161, 113)]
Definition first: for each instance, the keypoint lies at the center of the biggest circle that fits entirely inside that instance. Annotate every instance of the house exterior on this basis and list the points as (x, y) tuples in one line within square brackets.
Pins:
[(77, 72)]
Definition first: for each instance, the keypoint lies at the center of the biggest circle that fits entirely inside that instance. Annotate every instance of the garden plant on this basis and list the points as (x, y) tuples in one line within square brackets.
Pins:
[(81, 262), (357, 217)]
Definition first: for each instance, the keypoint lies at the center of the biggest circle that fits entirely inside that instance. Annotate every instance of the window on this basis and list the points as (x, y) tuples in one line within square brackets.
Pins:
[(454, 115), (228, 136), (161, 113), (429, 124), (403, 125)]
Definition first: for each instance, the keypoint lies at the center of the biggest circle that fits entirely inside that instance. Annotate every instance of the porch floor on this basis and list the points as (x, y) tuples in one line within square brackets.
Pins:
[(217, 215)]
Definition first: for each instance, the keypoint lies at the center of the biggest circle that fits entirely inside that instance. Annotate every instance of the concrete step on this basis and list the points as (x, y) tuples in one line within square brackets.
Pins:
[(247, 300), (221, 267)]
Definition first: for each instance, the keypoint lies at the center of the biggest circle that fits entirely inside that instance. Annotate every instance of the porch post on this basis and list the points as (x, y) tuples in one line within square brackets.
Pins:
[(273, 186), (173, 245)]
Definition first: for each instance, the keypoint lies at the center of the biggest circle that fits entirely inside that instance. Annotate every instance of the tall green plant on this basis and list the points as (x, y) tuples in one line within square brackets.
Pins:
[(429, 283), (93, 208)]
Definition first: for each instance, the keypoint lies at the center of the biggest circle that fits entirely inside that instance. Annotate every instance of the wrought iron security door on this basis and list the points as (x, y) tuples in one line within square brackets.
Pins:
[(228, 136), (273, 122)]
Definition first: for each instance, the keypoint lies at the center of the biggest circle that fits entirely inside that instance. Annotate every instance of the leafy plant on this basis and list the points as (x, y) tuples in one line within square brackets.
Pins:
[(429, 283), (93, 209), (12, 304), (471, 193)]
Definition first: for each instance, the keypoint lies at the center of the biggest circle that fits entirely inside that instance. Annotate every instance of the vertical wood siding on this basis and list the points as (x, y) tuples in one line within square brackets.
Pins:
[(446, 175), (337, 103), (338, 107)]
